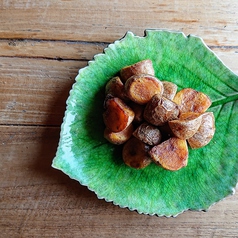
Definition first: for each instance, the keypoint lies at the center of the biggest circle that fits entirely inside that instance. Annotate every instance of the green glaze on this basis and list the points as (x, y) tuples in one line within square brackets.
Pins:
[(84, 155)]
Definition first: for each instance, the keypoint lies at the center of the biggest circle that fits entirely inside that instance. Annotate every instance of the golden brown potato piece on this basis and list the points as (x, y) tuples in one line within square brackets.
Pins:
[(186, 127), (138, 110), (141, 88), (159, 110), (148, 134), (172, 154), (117, 115), (120, 137), (205, 132), (115, 87), (170, 89), (190, 100), (142, 67), (188, 115), (135, 153)]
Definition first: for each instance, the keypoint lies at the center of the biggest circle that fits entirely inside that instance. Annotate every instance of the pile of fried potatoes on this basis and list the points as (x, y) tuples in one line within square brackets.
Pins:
[(152, 120)]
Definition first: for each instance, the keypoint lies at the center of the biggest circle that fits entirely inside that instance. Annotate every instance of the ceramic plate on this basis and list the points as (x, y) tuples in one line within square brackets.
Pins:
[(84, 154)]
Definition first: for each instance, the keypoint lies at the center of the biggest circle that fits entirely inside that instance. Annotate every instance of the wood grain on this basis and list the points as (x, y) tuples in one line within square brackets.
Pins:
[(34, 91), (85, 51), (35, 82), (43, 44), (215, 21), (57, 50), (39, 201)]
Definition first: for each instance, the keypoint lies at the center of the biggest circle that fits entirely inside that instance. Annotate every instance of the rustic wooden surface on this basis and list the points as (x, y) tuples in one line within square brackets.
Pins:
[(42, 46)]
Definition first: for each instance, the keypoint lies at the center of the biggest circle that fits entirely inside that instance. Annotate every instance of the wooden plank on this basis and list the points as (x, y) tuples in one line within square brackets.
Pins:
[(39, 201), (50, 49), (229, 56), (106, 21), (42, 46), (34, 91), (62, 50)]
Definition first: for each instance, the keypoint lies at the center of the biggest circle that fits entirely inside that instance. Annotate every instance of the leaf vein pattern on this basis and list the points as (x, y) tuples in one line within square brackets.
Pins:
[(218, 78), (225, 100), (197, 74)]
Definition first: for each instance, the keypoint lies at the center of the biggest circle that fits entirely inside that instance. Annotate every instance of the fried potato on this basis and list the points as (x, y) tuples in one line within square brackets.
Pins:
[(172, 154), (187, 126), (170, 89), (115, 87), (160, 110), (138, 110), (204, 133), (135, 153), (141, 88), (166, 121), (142, 67), (117, 115), (120, 137), (149, 134), (190, 100)]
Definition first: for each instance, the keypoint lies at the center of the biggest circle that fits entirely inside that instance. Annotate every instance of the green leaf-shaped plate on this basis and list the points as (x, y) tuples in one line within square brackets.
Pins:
[(85, 156)]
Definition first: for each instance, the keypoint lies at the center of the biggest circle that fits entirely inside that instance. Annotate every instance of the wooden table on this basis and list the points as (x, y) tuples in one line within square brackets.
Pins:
[(42, 46)]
